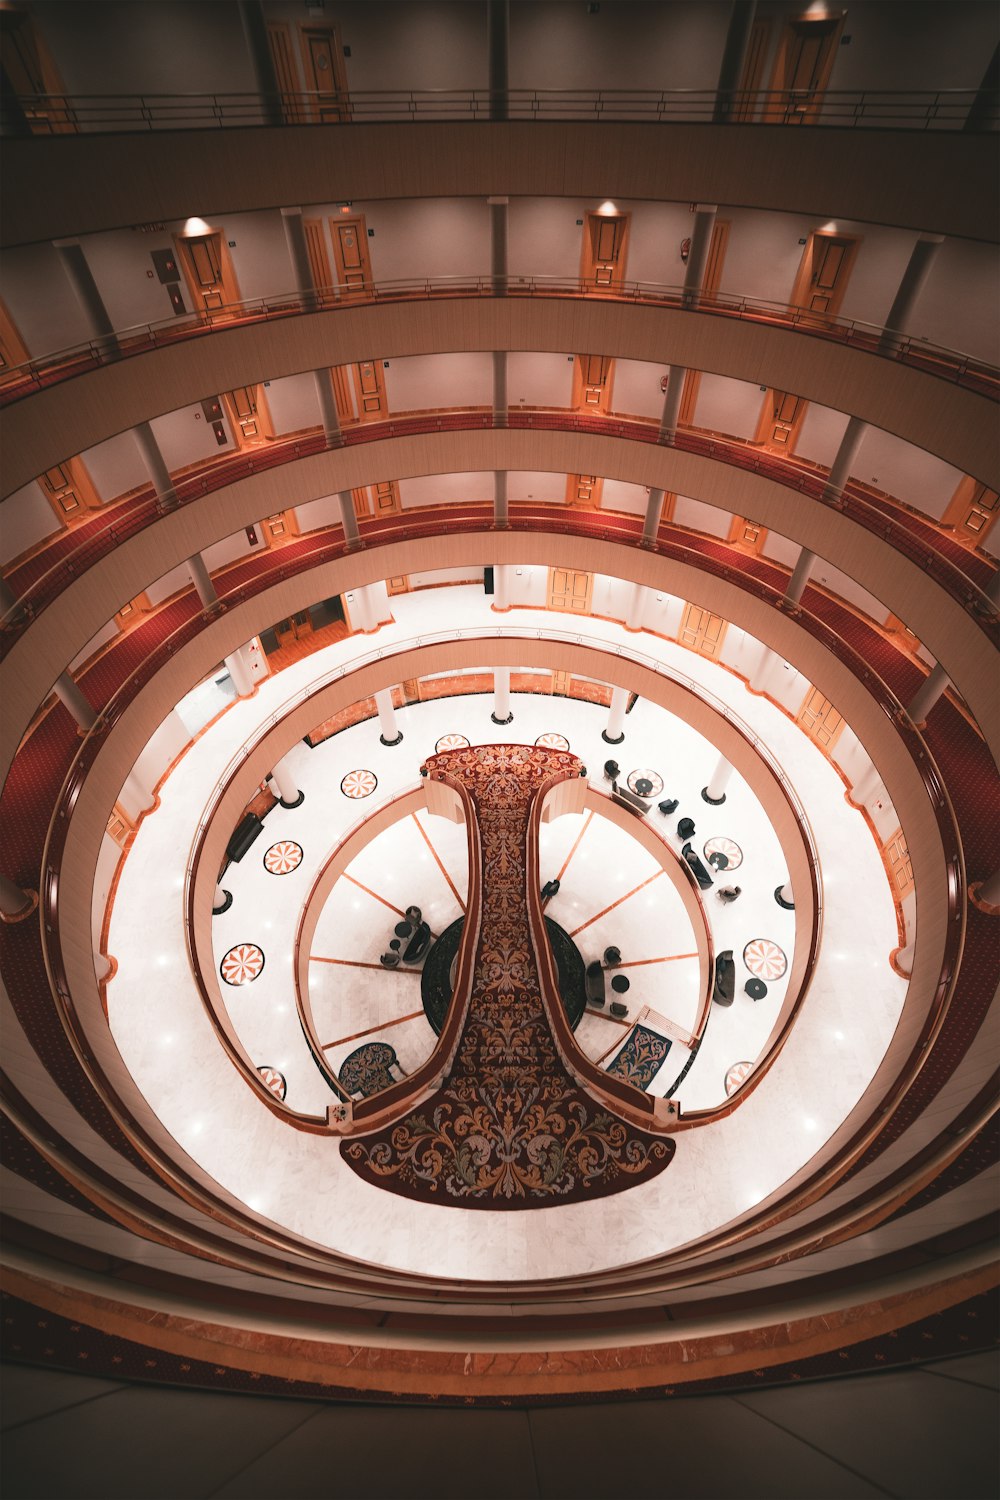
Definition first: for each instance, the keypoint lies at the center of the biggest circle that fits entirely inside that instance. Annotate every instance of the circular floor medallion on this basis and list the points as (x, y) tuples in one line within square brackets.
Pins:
[(357, 784), (242, 964), (645, 783), (723, 853), (283, 858), (736, 1075), (274, 1080), (552, 742), (765, 959), (451, 742)]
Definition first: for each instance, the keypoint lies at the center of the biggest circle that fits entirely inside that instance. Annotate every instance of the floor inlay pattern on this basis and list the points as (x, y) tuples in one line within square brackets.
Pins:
[(367, 1071), (242, 964), (274, 1080), (723, 853), (283, 858), (509, 1128), (736, 1075), (451, 742), (359, 784), (641, 1058), (765, 959), (645, 783), (552, 741)]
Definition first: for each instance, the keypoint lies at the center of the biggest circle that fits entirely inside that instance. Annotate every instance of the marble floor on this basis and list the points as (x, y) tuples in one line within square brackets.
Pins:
[(611, 892)]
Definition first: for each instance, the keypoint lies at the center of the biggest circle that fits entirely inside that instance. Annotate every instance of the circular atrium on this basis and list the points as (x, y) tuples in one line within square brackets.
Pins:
[(500, 879)]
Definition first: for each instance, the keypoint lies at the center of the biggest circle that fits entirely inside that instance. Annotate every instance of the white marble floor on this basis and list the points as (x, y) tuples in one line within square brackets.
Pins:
[(720, 1170)]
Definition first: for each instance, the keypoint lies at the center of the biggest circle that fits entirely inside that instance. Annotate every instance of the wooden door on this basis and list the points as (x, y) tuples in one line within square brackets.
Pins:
[(561, 684), (972, 510), (282, 56), (702, 631), (208, 270), (802, 69), (350, 252), (824, 271), (605, 246), (386, 498), (781, 421), (592, 381), (32, 76), (248, 416), (584, 491), (820, 719), (326, 81), (899, 864), (70, 490), (570, 590), (370, 388), (13, 349), (745, 104), (130, 613), (280, 528)]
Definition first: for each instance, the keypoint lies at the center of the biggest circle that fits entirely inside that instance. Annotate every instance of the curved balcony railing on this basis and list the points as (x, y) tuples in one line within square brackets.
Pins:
[(19, 381), (871, 109), (964, 574)]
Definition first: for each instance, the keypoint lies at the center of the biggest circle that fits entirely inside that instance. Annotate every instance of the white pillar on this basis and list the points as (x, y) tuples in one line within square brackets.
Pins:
[(323, 381), (498, 245), (864, 788), (671, 403), (502, 713), (733, 57), (501, 587), (654, 515), (902, 960), (800, 577), (636, 607), (926, 696), (202, 580), (81, 278), (916, 273), (145, 439), (349, 519), (135, 795), (701, 239), (102, 966), (783, 896), (285, 784), (615, 731), (763, 670), (240, 673), (15, 903), (501, 510), (988, 891), (73, 699), (847, 452), (255, 32), (715, 792), (222, 900), (498, 31), (390, 734)]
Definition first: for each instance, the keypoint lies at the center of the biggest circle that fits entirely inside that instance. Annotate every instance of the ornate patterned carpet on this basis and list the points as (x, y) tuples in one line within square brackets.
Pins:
[(509, 1128)]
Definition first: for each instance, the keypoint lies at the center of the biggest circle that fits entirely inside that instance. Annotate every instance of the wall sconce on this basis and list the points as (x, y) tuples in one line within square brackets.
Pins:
[(685, 250)]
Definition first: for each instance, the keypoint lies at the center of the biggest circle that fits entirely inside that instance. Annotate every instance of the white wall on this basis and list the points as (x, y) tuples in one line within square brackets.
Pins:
[(185, 437), (958, 307), (318, 513), (821, 434), (259, 251), (544, 238), (41, 301), (293, 403), (122, 269), (106, 633), (623, 45), (728, 406), (25, 518), (445, 489), (655, 235), (169, 583), (398, 45), (163, 747), (439, 380), (107, 864), (428, 237), (619, 495), (539, 379), (699, 517), (911, 475), (763, 254), (636, 391), (229, 549), (525, 484), (116, 466)]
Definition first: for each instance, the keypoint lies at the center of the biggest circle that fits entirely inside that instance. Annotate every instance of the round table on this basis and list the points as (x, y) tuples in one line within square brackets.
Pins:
[(619, 984), (643, 787), (402, 929), (755, 988)]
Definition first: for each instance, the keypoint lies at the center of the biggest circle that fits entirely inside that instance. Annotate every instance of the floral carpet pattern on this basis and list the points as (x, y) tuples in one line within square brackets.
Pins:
[(509, 1128), (641, 1058)]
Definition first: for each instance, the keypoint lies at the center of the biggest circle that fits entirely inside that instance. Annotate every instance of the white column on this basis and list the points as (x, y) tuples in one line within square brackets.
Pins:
[(349, 519), (222, 900), (501, 510), (498, 31), (636, 607), (902, 960), (323, 381), (145, 441), (701, 239), (285, 784), (135, 795), (102, 966), (763, 670), (715, 792), (926, 696), (202, 580), (654, 515), (255, 32), (783, 896), (15, 903), (240, 673), (671, 403), (81, 278), (501, 587), (916, 273), (72, 698), (733, 57), (800, 577), (498, 244), (863, 789), (295, 239), (847, 452), (988, 891), (615, 731), (501, 696), (390, 734)]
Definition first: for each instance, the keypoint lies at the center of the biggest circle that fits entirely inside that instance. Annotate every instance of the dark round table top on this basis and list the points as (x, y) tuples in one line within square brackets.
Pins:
[(755, 988), (619, 984), (402, 929), (643, 786)]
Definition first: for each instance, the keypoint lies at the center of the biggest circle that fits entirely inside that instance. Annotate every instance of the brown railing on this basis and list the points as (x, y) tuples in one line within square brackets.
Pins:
[(18, 381), (870, 109)]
